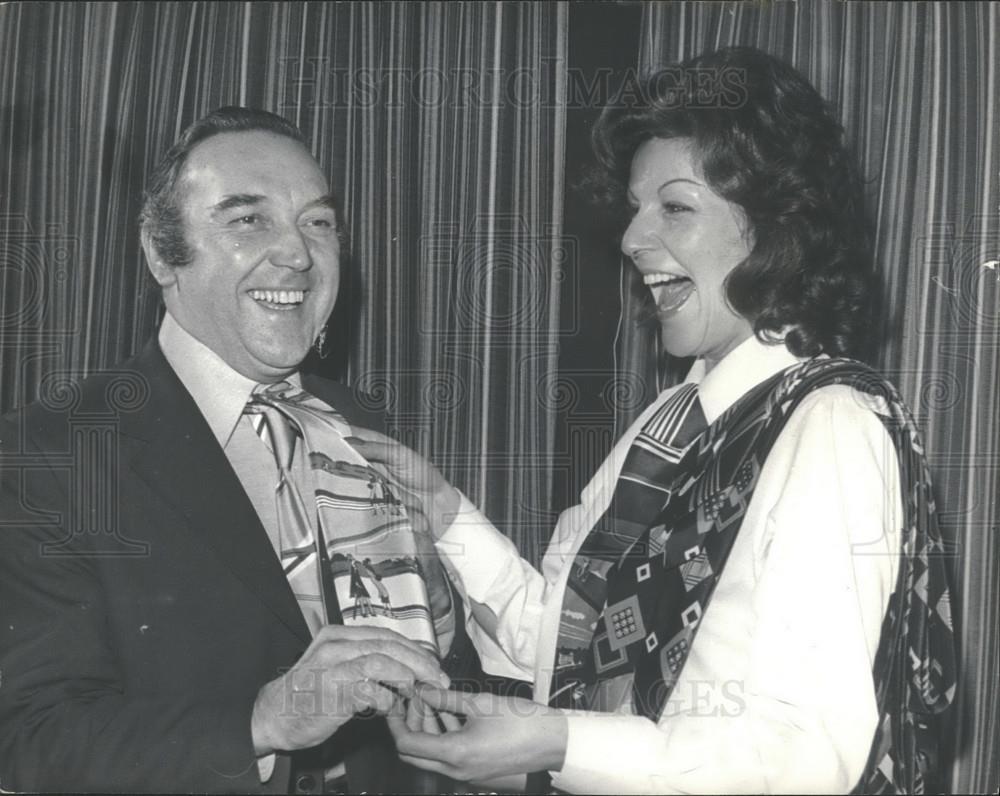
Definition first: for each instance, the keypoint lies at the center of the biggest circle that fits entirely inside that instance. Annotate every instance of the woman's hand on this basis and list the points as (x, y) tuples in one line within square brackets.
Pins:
[(423, 489), (485, 737)]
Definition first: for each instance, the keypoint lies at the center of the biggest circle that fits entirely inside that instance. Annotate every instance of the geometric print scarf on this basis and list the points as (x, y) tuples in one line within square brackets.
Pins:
[(352, 558), (659, 589), (639, 494)]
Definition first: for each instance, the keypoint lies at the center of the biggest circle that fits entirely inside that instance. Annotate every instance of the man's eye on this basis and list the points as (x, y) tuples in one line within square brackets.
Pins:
[(247, 220), (322, 224)]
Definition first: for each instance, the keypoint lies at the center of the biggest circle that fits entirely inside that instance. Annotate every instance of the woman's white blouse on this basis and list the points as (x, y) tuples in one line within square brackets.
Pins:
[(777, 694)]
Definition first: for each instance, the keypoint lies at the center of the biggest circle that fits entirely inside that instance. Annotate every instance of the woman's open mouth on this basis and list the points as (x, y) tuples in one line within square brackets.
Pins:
[(670, 291)]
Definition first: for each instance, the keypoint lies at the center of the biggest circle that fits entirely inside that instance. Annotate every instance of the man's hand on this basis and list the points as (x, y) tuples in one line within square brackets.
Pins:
[(344, 671), (496, 736), (422, 486)]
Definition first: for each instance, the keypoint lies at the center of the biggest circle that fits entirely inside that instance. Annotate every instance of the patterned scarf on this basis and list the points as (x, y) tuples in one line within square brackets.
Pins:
[(639, 494), (660, 588), (364, 547)]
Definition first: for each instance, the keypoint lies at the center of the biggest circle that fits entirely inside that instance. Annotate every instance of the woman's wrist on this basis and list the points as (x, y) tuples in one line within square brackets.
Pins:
[(555, 737)]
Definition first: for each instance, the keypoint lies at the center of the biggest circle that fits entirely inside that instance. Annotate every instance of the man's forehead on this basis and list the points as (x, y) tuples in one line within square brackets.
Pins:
[(261, 141), (260, 164)]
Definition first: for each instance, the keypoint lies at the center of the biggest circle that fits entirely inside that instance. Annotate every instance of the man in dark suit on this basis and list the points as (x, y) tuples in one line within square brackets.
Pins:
[(149, 640)]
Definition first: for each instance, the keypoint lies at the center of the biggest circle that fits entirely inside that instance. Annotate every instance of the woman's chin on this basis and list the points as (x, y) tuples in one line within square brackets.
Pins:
[(676, 346)]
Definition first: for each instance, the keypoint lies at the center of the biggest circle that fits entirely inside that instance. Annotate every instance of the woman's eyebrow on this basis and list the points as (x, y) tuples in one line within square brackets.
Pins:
[(678, 179)]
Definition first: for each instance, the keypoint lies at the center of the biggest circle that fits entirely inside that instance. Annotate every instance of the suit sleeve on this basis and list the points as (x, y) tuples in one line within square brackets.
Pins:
[(71, 716)]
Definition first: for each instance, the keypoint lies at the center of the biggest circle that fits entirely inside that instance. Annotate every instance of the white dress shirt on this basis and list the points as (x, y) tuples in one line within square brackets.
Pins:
[(777, 694)]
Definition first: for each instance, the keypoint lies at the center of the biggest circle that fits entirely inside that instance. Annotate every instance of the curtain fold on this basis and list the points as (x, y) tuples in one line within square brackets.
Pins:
[(441, 127), (916, 87)]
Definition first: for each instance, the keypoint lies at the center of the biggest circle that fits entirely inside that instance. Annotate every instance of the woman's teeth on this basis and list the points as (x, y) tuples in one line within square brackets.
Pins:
[(661, 279), (279, 297)]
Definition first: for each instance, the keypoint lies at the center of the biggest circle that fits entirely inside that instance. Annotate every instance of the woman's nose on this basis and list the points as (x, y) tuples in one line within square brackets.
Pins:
[(634, 236)]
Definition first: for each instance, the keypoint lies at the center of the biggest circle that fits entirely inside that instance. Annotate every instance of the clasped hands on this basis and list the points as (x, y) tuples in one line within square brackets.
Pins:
[(344, 671), (351, 670)]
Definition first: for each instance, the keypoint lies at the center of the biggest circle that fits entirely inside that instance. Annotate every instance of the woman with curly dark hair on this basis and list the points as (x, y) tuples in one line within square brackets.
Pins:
[(763, 141), (750, 596)]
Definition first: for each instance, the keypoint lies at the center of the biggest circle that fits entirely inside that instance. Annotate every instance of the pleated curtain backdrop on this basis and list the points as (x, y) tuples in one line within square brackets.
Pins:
[(917, 87), (460, 248), (442, 126)]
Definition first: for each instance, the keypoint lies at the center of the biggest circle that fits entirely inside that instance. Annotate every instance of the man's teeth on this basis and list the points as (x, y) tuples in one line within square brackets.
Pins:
[(279, 296), (661, 279)]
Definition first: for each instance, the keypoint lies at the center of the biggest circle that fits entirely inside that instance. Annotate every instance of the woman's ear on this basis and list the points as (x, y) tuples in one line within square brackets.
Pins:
[(162, 272)]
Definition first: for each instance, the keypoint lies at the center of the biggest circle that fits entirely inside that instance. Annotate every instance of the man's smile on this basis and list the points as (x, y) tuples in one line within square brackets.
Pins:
[(278, 299)]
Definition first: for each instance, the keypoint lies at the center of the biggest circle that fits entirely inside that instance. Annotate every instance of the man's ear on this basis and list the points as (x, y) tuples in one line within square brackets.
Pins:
[(163, 274)]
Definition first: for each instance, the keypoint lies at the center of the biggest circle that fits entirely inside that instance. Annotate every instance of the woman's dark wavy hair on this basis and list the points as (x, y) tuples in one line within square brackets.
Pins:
[(161, 210), (767, 142)]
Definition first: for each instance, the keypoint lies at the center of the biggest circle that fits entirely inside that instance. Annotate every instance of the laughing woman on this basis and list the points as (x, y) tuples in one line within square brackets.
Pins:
[(750, 596)]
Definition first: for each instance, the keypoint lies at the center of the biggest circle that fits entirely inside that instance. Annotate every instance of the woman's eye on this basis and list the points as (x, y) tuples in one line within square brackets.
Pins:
[(674, 207)]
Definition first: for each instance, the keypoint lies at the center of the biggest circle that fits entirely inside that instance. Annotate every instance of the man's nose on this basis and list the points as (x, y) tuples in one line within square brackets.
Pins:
[(291, 250)]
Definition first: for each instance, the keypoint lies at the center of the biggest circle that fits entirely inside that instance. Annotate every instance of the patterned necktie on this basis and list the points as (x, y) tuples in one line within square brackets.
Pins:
[(639, 495), (357, 562)]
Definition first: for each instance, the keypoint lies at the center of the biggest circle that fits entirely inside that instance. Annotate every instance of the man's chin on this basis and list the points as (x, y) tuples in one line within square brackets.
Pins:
[(272, 365)]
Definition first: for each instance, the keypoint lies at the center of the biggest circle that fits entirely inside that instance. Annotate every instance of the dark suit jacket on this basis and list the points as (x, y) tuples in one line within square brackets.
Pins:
[(142, 606)]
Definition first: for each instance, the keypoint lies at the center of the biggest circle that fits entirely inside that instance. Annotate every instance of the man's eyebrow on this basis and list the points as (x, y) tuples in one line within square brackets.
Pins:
[(237, 200), (328, 201)]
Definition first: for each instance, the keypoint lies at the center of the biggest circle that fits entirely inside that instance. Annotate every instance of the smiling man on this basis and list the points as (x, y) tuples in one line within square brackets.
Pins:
[(260, 260), (200, 634)]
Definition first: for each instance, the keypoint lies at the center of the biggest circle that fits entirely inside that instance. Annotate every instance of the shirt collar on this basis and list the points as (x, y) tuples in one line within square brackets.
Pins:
[(742, 369), (219, 391)]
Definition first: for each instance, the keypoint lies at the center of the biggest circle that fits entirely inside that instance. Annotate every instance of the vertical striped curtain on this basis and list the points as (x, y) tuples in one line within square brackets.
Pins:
[(459, 248), (442, 127), (917, 86)]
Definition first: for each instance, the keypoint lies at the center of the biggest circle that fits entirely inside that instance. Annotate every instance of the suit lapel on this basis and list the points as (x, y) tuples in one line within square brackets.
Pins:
[(181, 461)]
